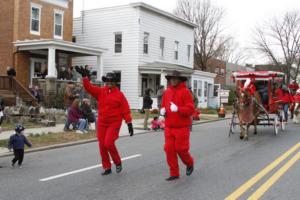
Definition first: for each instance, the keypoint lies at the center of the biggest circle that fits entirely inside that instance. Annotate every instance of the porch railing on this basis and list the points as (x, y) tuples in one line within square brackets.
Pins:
[(12, 84)]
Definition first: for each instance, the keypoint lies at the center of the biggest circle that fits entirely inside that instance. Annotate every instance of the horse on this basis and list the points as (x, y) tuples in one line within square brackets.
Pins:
[(247, 112), (296, 117)]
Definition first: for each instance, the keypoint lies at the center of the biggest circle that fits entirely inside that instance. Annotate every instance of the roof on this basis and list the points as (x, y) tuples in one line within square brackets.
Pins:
[(163, 13), (258, 74), (165, 67), (204, 74), (26, 45)]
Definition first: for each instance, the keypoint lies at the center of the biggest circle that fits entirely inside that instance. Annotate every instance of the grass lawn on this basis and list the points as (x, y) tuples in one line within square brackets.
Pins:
[(54, 138), (11, 126)]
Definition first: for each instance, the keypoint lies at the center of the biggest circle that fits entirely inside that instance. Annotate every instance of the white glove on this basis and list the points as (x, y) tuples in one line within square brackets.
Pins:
[(161, 118), (173, 107), (163, 111)]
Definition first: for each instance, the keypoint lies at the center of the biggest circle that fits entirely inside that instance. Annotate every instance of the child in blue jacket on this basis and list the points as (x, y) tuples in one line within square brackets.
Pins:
[(17, 142)]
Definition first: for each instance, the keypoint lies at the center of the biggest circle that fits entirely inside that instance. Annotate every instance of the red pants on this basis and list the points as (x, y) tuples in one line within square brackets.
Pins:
[(107, 135), (177, 143)]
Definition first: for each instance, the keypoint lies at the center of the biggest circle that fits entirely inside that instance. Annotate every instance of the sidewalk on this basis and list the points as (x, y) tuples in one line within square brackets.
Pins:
[(137, 123)]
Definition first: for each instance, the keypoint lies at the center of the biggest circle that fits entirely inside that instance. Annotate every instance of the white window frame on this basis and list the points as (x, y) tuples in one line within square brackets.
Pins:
[(146, 36), (189, 47), (118, 33), (162, 46), (39, 7), (176, 50), (199, 89), (60, 12)]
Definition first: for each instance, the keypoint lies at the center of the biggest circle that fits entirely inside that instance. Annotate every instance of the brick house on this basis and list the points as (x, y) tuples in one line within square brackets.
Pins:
[(36, 35)]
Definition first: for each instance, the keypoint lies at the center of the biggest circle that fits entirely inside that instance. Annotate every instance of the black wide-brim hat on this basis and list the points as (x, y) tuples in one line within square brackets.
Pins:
[(110, 77), (176, 74)]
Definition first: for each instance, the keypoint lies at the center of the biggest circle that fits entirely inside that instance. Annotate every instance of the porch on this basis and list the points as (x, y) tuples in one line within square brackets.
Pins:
[(45, 63), (152, 75)]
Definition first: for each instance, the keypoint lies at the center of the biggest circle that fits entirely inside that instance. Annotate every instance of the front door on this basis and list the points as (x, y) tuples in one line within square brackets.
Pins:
[(37, 68)]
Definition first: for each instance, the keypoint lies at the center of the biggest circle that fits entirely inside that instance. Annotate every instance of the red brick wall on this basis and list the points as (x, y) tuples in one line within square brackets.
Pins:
[(15, 25), (6, 34), (218, 67)]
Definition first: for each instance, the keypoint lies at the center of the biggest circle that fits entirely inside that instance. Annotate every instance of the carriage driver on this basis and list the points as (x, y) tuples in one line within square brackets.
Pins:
[(249, 86)]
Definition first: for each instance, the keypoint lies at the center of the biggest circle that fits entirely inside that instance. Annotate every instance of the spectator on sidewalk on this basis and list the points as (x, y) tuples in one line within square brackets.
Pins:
[(35, 92), (17, 142), (75, 117), (147, 105), (1, 112), (10, 71), (87, 111), (159, 94), (69, 95)]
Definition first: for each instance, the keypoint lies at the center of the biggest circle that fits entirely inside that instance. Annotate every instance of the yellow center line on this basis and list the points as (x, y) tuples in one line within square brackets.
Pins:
[(243, 188), (261, 190)]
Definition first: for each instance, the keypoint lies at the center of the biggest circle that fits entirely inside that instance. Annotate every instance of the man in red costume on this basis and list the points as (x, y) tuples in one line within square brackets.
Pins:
[(112, 109), (177, 107)]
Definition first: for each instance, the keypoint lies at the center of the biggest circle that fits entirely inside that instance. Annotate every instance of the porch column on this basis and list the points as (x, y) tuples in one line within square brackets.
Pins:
[(51, 63), (99, 67), (163, 80)]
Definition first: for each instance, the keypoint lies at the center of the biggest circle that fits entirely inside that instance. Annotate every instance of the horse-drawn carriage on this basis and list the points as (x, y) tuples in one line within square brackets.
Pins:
[(262, 107)]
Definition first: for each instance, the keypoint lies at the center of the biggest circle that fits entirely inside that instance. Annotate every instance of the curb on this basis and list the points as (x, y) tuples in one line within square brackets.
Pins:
[(57, 146)]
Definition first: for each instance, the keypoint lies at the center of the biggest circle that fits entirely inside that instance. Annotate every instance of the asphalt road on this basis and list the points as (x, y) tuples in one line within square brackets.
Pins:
[(223, 165)]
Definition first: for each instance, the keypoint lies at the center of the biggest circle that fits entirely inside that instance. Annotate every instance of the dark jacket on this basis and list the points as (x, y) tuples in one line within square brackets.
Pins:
[(147, 102), (17, 141), (11, 72), (87, 113)]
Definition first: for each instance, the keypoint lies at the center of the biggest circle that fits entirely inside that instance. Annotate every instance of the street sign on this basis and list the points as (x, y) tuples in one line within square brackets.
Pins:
[(224, 94)]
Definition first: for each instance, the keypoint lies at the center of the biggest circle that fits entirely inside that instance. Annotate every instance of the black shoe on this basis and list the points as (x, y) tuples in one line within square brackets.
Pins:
[(172, 178), (12, 164), (189, 170), (106, 172), (119, 168)]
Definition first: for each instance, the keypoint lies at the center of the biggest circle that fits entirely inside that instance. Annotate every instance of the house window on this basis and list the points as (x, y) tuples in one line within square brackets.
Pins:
[(176, 50), (205, 89), (35, 19), (58, 24), (162, 46), (199, 88), (222, 72), (217, 70), (146, 43), (189, 52), (118, 42), (195, 87), (150, 81)]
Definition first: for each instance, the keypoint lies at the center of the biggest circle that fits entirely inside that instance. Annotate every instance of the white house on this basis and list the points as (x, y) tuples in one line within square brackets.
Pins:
[(143, 43), (202, 84)]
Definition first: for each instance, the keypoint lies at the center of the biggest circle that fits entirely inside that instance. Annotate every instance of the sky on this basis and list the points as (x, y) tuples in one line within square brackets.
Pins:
[(241, 16)]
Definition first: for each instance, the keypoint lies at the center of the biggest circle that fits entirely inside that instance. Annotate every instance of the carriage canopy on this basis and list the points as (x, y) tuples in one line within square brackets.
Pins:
[(266, 75)]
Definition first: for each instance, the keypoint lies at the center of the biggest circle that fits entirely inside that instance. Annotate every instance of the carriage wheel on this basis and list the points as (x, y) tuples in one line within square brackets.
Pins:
[(276, 125)]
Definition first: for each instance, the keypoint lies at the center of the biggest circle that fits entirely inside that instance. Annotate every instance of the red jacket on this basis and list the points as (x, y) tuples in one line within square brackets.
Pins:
[(284, 97), (294, 87), (112, 104), (181, 97)]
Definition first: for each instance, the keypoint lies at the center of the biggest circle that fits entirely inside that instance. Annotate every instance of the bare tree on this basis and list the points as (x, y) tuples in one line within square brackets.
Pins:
[(279, 40), (233, 53), (209, 37)]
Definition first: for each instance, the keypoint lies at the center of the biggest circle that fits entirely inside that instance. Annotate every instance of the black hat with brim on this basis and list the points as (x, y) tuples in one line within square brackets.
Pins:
[(110, 77), (176, 74)]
